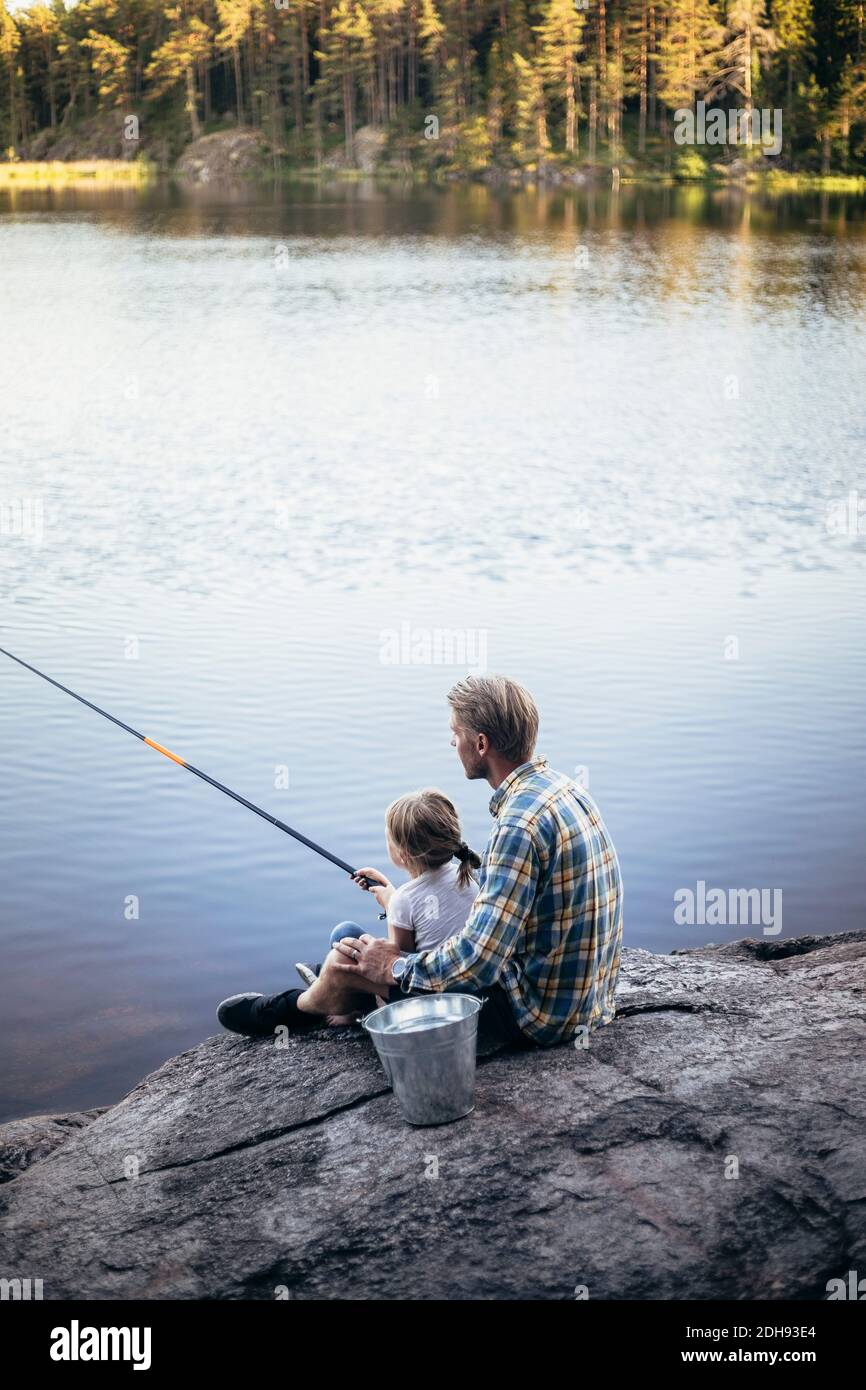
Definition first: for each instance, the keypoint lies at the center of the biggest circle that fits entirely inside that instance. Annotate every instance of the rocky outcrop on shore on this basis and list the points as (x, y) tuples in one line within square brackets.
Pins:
[(102, 136), (368, 147), (223, 156), (709, 1143)]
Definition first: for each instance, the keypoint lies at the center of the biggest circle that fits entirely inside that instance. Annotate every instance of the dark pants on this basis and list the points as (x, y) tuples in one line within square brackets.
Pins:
[(497, 1026)]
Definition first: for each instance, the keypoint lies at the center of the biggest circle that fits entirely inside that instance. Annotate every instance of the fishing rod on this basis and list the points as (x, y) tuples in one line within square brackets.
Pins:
[(181, 762)]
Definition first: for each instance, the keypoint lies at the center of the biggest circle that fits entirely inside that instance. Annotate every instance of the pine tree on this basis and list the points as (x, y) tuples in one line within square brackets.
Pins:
[(442, 61), (110, 63), (688, 52), (290, 57), (235, 22), (850, 108), (794, 30), (10, 42), (496, 80), (817, 111), (532, 143), (747, 36), (531, 76), (850, 26), (44, 24), (638, 55), (560, 37), (174, 63), (340, 58)]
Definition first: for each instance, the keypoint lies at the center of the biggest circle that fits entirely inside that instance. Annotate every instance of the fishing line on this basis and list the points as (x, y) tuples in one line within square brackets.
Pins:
[(181, 762)]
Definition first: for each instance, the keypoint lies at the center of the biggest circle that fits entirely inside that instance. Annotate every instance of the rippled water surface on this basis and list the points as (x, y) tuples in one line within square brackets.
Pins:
[(255, 448)]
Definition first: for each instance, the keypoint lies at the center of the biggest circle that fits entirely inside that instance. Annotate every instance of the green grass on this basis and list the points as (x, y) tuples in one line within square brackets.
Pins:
[(58, 174), (777, 180)]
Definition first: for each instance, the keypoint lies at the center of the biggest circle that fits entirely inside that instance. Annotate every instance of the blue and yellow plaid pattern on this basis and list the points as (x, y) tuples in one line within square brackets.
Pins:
[(547, 921)]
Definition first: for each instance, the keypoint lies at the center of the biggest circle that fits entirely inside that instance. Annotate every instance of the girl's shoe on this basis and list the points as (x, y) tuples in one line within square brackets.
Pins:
[(308, 973)]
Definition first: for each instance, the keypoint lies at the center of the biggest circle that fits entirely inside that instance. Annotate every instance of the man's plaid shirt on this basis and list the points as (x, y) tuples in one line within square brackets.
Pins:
[(547, 921)]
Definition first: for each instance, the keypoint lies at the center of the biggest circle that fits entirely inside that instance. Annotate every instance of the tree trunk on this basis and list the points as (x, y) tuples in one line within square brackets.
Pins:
[(602, 61), (255, 116), (413, 54), (747, 82), (12, 122), (239, 106), (305, 48), (317, 132), (617, 103), (52, 98), (348, 107), (494, 116), (191, 101), (641, 138), (790, 81), (298, 95), (70, 105), (651, 69), (570, 105), (278, 125), (378, 86), (541, 128), (579, 108), (464, 61)]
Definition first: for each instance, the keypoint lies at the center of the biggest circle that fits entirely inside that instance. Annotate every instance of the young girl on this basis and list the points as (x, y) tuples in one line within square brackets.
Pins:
[(423, 837)]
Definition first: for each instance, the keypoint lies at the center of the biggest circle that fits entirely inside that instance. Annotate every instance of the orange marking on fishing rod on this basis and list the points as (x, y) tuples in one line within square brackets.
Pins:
[(168, 753)]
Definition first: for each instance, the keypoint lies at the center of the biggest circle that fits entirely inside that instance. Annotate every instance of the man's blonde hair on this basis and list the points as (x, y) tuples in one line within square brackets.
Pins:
[(501, 709)]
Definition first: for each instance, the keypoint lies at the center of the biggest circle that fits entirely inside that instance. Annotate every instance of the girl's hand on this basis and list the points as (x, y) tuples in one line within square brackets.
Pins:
[(382, 890)]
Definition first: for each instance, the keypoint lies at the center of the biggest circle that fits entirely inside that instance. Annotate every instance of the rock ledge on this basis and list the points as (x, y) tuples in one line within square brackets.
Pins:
[(241, 1169)]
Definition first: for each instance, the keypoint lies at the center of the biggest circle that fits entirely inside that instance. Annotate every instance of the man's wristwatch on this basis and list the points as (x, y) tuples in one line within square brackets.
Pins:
[(399, 968)]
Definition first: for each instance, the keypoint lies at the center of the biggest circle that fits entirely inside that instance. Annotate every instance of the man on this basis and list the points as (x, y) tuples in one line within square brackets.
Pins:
[(542, 942)]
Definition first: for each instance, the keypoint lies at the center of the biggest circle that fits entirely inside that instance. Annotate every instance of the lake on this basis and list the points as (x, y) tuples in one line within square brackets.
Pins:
[(279, 466)]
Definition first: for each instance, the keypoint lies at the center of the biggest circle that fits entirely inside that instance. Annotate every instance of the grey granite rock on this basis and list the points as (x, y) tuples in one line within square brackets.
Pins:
[(23, 1142), (222, 156), (707, 1144)]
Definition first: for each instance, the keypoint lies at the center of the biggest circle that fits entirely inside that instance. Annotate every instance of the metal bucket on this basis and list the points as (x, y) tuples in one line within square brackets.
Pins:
[(427, 1047)]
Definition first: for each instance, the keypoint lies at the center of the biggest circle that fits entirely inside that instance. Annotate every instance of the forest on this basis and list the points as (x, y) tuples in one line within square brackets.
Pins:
[(463, 85)]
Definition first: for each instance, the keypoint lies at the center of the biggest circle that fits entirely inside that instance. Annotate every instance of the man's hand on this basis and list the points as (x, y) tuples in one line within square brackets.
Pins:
[(369, 957)]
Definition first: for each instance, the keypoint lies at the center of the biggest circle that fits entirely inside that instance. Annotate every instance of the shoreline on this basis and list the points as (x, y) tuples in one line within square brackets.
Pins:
[(34, 175)]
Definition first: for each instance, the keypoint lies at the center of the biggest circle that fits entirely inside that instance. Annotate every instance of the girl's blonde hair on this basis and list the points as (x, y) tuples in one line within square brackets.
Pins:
[(425, 828)]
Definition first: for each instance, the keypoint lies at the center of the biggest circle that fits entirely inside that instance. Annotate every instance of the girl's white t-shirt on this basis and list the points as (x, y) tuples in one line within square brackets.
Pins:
[(433, 905)]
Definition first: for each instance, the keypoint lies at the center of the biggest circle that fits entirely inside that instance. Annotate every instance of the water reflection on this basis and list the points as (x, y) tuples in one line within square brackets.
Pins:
[(606, 430), (370, 208), (678, 382)]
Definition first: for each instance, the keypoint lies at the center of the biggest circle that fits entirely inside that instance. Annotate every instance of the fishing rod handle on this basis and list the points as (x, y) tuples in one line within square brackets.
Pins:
[(369, 884)]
